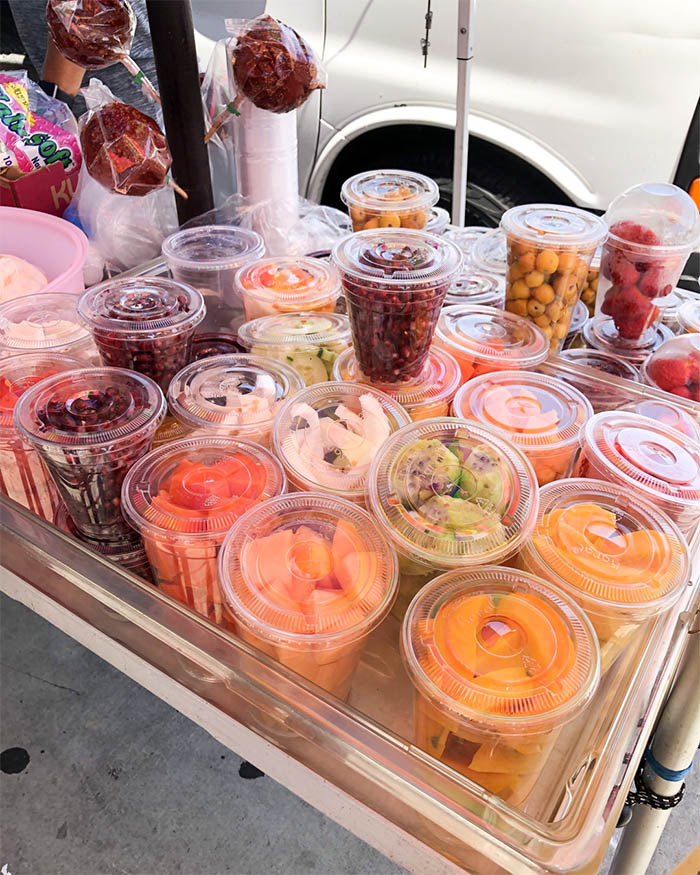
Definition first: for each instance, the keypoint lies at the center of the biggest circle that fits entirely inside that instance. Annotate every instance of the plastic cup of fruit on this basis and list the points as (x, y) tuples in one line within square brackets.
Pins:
[(23, 476), (145, 324), (327, 435), (675, 367), (653, 229), (466, 239), (438, 221), (689, 317), (46, 323), (610, 550), (389, 199), (550, 249), (539, 413), (288, 284), (395, 282), (233, 395), (183, 498), (90, 426), (500, 661), (307, 577), (589, 291), (429, 396), (657, 461), (578, 319), (667, 413), (450, 494), (208, 259), (484, 340), (603, 394), (208, 344), (490, 253), (307, 342), (601, 334), (472, 287)]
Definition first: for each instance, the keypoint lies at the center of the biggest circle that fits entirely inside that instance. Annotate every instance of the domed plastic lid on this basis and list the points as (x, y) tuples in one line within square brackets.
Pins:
[(554, 225), (438, 221), (578, 318), (398, 258), (453, 493), (486, 289), (294, 282), (675, 367), (490, 336), (213, 247), (652, 457), (652, 215), (538, 412), (208, 344), (308, 567), (602, 334), (490, 252), (466, 238), (327, 435), (34, 323), (669, 305), (609, 543), (437, 383), (141, 305), (601, 361), (689, 316), (199, 486), (500, 649), (20, 372), (667, 414), (291, 329), (231, 390), (388, 190), (90, 406)]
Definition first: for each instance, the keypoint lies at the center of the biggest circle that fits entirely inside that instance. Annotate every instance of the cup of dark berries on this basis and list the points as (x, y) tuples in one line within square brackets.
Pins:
[(395, 282), (90, 426), (145, 324)]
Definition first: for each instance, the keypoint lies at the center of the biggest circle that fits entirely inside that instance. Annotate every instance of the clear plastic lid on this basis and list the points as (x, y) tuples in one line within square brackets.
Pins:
[(453, 493), (466, 238), (689, 316), (141, 306), (654, 215), (655, 459), (207, 344), (668, 414), (601, 361), (438, 221), (90, 407), (227, 391), (610, 544), (199, 486), (579, 317), (401, 259), (500, 650), (306, 568), (669, 305), (327, 435), (486, 335), (293, 329), (486, 289), (20, 372), (675, 367), (213, 247), (42, 322), (389, 190), (437, 383), (538, 412), (490, 252), (602, 334), (292, 282), (554, 225)]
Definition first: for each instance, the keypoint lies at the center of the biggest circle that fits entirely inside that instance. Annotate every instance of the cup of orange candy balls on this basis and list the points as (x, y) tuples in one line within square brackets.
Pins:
[(389, 199)]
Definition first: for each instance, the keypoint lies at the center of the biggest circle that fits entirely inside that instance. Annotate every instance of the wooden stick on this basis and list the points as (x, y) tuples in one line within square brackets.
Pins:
[(141, 79), (230, 109), (176, 188)]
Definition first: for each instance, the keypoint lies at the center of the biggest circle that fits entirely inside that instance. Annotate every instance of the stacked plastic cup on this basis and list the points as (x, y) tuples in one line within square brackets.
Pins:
[(307, 577), (183, 498), (490, 253), (476, 287), (287, 284), (438, 221), (45, 324), (389, 199), (466, 239), (689, 317), (603, 336), (90, 426)]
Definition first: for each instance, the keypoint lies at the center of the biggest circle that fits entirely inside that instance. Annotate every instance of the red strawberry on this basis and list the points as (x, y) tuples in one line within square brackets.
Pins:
[(682, 391), (635, 233), (652, 283), (609, 304), (622, 272), (633, 313), (670, 373)]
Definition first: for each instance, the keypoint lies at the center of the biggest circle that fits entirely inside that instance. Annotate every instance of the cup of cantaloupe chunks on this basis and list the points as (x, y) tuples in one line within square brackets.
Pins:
[(307, 576)]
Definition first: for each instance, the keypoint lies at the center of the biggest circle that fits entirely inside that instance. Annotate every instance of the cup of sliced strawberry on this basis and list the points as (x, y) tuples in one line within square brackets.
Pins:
[(675, 367)]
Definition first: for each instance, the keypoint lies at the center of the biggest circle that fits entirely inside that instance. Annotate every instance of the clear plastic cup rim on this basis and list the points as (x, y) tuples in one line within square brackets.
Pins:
[(555, 226), (235, 246), (279, 330), (24, 366), (354, 191), (323, 284), (625, 369), (42, 311)]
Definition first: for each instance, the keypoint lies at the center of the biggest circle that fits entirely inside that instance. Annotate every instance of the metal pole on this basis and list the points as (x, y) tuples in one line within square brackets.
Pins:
[(172, 34), (675, 741), (465, 52)]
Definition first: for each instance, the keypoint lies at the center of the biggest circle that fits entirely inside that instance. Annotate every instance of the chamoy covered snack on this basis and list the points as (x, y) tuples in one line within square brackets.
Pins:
[(539, 413), (550, 249), (18, 277), (667, 413), (602, 335), (450, 494), (389, 199), (287, 285), (689, 316), (91, 33), (307, 577), (395, 283), (46, 323), (23, 476), (146, 324), (183, 498), (484, 339), (500, 661), (675, 367), (473, 287), (659, 462), (327, 435), (235, 395), (90, 426), (308, 342), (613, 552), (653, 229)]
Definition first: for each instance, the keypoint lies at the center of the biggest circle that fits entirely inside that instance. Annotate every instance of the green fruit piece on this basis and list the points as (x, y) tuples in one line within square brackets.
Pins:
[(425, 468), (308, 365), (454, 513)]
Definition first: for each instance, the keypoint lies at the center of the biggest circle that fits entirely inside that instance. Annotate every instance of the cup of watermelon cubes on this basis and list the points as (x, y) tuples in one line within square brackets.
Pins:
[(307, 577), (675, 367), (653, 228), (500, 661)]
